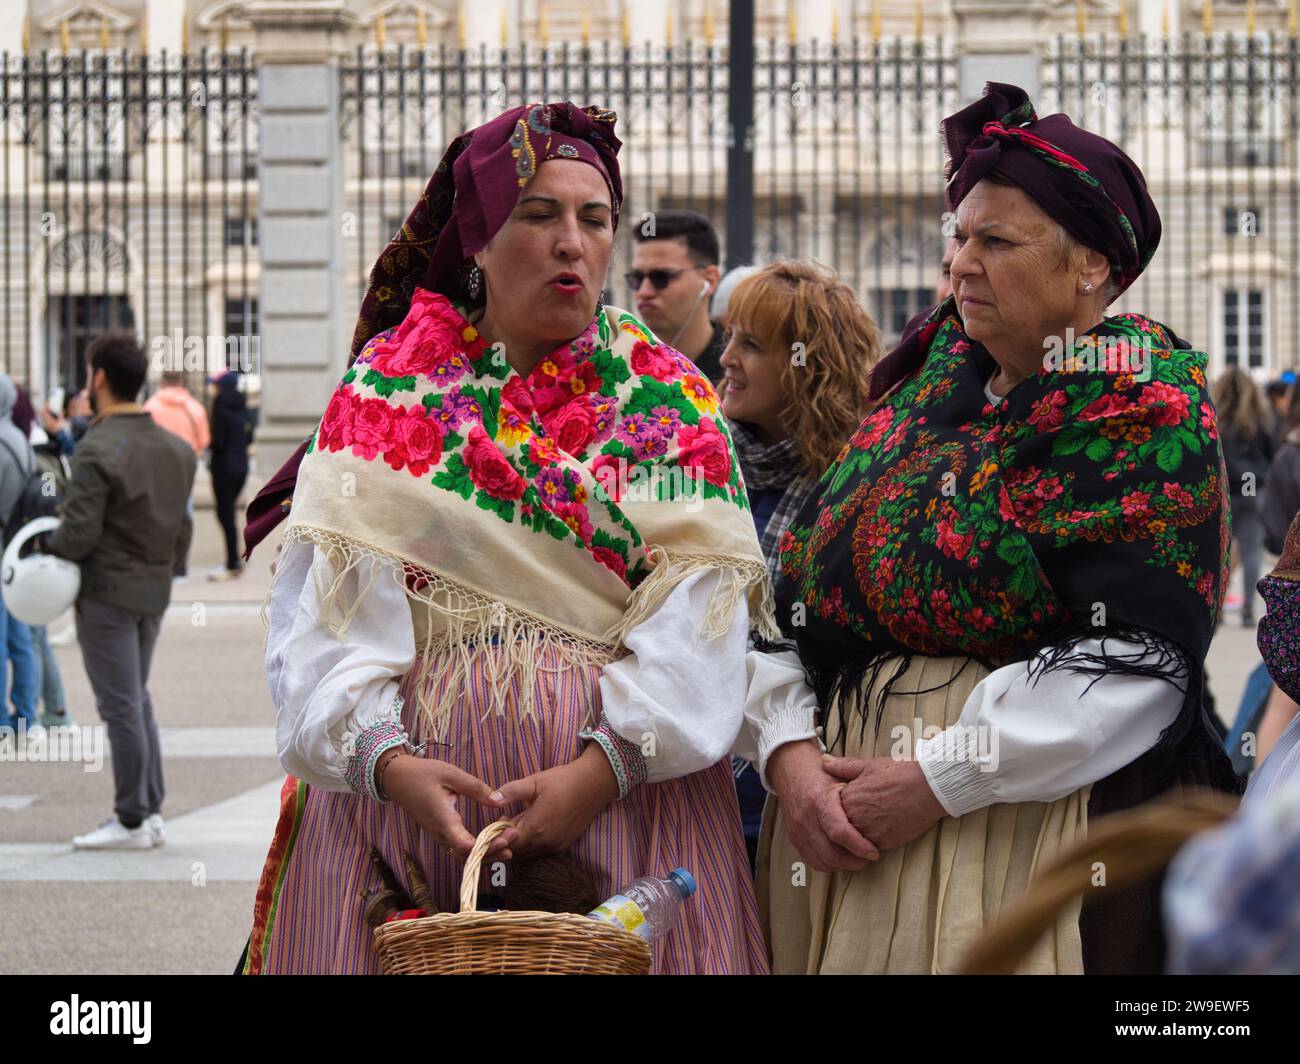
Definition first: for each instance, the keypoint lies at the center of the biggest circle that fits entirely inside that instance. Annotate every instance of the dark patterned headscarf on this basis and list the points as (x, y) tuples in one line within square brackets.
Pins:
[(470, 196), (467, 200), (1082, 181)]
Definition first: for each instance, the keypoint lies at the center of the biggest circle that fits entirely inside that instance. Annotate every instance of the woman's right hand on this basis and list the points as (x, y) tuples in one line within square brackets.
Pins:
[(812, 811), (428, 788)]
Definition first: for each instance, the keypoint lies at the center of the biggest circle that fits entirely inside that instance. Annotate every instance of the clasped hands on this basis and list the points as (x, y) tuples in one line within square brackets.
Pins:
[(559, 803), (841, 812)]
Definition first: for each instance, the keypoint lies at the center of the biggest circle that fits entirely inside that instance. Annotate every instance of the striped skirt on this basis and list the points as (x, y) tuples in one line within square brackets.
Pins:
[(307, 914)]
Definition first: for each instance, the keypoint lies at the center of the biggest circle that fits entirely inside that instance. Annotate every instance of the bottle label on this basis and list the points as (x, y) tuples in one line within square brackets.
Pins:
[(622, 911)]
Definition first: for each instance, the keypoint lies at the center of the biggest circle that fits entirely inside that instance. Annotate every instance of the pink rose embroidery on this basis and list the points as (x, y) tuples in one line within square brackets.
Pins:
[(371, 427), (488, 467), (704, 448)]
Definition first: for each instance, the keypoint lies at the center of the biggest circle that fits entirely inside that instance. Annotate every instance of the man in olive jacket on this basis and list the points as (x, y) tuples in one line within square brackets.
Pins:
[(124, 521)]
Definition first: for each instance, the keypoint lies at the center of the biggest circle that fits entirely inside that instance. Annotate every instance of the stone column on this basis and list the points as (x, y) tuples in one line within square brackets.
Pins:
[(483, 23), (164, 20), (306, 318), (11, 27), (1151, 17), (999, 42)]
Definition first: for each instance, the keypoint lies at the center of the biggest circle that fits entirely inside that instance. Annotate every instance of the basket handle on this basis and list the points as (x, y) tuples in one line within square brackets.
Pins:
[(469, 881)]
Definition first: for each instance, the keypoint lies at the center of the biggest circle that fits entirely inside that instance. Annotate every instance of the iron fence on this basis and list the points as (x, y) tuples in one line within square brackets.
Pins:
[(846, 158), (130, 193), (125, 179)]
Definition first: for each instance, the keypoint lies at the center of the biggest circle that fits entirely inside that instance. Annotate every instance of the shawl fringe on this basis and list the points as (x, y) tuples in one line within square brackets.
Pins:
[(743, 579), (472, 623)]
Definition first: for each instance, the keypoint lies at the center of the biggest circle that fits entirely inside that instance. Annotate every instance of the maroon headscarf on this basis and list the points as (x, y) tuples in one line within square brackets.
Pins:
[(467, 200), (470, 196), (1080, 180)]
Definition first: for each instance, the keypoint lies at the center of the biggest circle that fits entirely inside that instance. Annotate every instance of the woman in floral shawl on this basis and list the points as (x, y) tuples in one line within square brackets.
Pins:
[(1005, 587), (518, 577)]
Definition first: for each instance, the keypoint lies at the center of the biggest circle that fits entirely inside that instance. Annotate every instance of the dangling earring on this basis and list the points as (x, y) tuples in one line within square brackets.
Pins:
[(600, 302), (475, 284)]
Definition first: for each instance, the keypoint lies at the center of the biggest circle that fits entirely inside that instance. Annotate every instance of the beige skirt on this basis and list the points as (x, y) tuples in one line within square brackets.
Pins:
[(919, 908)]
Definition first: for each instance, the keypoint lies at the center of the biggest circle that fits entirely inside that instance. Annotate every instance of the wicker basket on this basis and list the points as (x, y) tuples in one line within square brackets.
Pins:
[(506, 943)]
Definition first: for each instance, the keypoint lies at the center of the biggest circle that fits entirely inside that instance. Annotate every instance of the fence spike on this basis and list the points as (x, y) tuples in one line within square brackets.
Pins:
[(421, 31), (1207, 17), (1250, 16), (1291, 19), (1080, 17), (1123, 18)]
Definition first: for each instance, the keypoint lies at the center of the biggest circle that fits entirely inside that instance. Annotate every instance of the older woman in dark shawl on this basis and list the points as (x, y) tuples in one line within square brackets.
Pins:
[(1005, 587)]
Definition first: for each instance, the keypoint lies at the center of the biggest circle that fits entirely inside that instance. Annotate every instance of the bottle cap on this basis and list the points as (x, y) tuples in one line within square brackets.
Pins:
[(683, 881)]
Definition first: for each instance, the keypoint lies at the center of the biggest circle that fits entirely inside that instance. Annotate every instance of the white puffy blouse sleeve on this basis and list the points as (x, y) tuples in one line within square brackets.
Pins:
[(1022, 738), (679, 703), (336, 701)]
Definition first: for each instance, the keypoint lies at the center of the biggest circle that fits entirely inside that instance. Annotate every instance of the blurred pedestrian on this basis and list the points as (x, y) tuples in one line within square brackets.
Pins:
[(229, 465), (17, 465), (175, 409), (944, 288), (674, 271), (722, 294), (54, 469), (1281, 500), (124, 520), (1246, 434)]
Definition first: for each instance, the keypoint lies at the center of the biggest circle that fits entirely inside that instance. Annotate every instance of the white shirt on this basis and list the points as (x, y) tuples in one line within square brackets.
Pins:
[(687, 703)]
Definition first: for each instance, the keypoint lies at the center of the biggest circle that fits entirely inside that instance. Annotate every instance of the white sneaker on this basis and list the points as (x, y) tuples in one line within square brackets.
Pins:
[(154, 822), (222, 573), (112, 834), (35, 734)]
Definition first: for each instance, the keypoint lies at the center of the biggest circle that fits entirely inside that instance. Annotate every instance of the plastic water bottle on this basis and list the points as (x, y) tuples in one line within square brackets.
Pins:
[(647, 907)]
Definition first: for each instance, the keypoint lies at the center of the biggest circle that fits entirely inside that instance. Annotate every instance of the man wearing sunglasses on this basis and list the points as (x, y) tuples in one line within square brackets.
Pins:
[(674, 272)]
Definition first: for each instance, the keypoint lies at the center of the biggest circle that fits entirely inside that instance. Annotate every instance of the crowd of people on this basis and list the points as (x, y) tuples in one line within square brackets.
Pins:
[(870, 642)]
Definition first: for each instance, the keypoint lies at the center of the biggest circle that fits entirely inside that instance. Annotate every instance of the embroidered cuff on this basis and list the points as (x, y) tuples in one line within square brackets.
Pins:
[(789, 724), (956, 771), (375, 740), (624, 756)]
